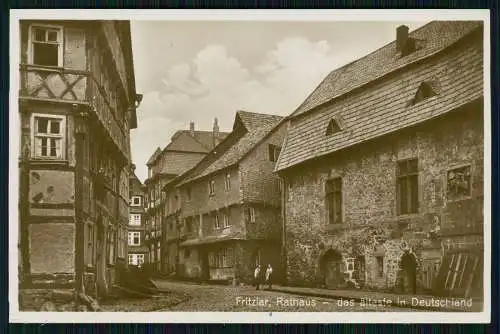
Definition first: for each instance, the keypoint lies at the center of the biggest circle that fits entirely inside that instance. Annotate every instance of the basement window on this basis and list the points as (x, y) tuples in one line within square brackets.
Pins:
[(333, 127)]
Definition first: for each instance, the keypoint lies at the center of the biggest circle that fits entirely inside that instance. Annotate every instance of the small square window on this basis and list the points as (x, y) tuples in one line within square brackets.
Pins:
[(458, 183), (187, 253), (48, 136), (136, 200)]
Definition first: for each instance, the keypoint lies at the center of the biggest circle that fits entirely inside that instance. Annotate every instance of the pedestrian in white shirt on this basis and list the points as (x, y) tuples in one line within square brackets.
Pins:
[(256, 276), (269, 273)]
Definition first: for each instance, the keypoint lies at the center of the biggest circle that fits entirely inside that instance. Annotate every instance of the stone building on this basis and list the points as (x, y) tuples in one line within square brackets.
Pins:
[(383, 165), (77, 105), (228, 206), (186, 149), (137, 250)]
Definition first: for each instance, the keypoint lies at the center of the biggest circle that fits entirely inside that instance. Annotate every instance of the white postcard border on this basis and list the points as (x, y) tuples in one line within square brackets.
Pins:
[(241, 317)]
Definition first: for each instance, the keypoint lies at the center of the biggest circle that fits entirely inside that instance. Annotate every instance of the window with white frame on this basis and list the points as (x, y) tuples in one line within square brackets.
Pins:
[(136, 201), (211, 187), (48, 136), (46, 47), (134, 219), (134, 238), (222, 258), (228, 181), (225, 221), (136, 259), (217, 221), (251, 214)]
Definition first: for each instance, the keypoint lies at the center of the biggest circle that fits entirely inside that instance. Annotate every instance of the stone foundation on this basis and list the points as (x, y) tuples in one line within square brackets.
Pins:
[(55, 300)]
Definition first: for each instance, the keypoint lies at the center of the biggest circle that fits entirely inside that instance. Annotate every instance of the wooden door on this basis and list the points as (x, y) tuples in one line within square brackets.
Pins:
[(332, 269), (458, 272)]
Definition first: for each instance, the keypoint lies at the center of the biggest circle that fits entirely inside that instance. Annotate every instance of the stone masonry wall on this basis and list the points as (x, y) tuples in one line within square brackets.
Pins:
[(371, 226)]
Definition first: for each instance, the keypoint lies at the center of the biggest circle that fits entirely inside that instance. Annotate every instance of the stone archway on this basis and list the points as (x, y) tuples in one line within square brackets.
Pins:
[(408, 273), (331, 269)]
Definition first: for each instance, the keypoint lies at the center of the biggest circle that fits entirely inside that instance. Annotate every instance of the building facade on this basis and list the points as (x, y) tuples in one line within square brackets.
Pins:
[(137, 250), (77, 105), (226, 210), (186, 149), (383, 166)]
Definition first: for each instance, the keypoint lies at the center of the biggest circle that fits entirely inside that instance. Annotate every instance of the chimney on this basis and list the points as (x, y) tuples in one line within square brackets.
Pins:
[(401, 37), (191, 129), (215, 133)]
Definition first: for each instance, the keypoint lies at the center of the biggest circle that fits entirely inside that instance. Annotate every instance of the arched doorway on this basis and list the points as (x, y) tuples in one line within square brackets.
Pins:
[(408, 273), (331, 269)]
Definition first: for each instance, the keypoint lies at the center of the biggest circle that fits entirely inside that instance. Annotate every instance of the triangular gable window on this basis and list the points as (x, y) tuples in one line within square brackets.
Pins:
[(333, 127), (425, 91)]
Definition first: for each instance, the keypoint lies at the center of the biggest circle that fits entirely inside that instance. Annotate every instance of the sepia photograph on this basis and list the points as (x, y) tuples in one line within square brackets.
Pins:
[(250, 166)]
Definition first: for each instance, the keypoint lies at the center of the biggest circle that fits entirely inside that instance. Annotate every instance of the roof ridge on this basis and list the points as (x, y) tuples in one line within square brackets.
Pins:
[(301, 109)]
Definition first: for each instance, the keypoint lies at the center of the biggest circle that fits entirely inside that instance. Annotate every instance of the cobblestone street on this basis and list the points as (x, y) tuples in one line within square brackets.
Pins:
[(216, 298)]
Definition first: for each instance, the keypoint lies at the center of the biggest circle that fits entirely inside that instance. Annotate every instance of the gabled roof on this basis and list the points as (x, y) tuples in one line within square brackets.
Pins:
[(193, 141), (190, 142), (153, 157), (384, 108), (432, 38), (251, 129)]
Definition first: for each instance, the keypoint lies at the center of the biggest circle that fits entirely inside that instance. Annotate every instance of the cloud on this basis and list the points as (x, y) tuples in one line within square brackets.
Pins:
[(215, 84)]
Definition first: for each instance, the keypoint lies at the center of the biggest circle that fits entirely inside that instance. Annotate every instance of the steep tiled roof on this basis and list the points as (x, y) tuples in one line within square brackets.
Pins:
[(196, 141), (179, 162), (386, 107), (188, 141), (432, 38), (256, 127), (153, 157)]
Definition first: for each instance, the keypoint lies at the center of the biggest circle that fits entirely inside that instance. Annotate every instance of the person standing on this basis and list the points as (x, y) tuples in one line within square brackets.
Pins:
[(256, 276), (269, 274)]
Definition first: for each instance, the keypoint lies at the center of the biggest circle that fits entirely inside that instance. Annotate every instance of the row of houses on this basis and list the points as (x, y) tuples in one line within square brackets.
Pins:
[(374, 181)]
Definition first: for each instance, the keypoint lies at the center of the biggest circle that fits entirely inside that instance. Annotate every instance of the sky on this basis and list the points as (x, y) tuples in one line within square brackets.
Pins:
[(196, 71)]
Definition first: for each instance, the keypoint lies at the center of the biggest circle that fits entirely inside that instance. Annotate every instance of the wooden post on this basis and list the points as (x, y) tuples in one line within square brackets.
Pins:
[(80, 133)]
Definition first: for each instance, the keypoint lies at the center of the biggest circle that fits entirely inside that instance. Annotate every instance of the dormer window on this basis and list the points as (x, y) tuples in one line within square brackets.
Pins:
[(424, 91), (333, 127)]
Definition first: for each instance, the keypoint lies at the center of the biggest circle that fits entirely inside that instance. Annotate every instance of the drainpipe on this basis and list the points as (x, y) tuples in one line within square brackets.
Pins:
[(80, 133)]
